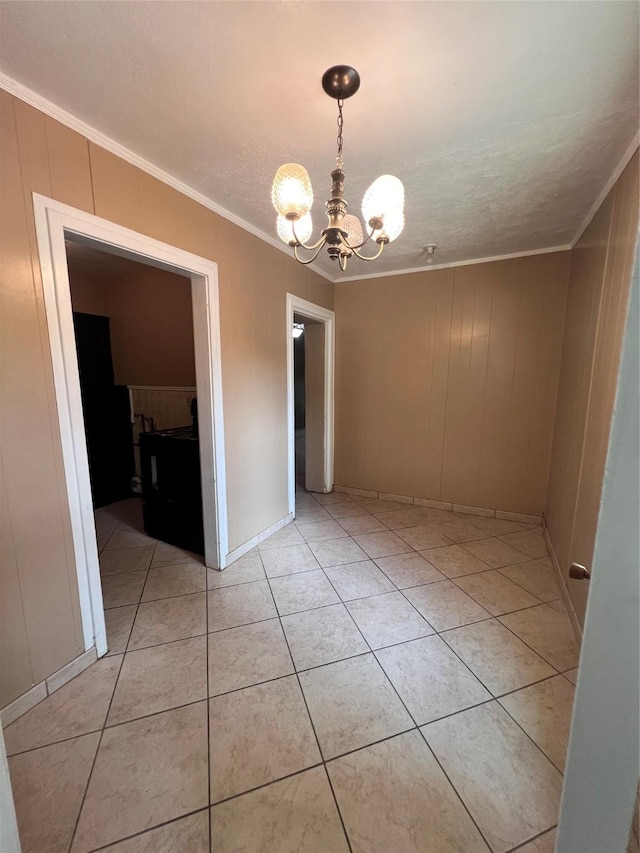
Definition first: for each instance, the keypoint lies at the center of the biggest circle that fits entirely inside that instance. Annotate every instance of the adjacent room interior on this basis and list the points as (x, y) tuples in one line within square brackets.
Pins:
[(414, 547)]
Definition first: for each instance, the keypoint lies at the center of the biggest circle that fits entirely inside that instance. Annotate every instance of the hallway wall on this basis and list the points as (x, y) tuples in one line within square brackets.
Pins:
[(40, 619), (596, 311), (151, 322), (447, 380)]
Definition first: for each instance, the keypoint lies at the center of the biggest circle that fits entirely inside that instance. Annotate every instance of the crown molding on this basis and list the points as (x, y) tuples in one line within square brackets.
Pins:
[(467, 263), (619, 169), (74, 123)]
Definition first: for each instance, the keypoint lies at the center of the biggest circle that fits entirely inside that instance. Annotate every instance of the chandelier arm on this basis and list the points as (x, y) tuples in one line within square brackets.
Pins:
[(320, 242), (313, 257), (342, 260), (373, 257)]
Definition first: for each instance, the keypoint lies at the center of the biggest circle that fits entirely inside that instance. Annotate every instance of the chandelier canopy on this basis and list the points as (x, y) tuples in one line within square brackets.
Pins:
[(344, 236)]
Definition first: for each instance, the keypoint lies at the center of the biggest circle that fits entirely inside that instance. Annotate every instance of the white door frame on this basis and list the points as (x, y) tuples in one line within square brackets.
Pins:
[(297, 305), (53, 221)]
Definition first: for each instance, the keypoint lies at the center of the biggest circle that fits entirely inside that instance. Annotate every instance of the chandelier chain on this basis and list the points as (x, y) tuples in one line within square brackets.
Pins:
[(340, 123)]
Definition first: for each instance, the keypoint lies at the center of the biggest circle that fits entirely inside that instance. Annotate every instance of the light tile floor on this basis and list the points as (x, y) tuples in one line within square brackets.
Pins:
[(373, 677)]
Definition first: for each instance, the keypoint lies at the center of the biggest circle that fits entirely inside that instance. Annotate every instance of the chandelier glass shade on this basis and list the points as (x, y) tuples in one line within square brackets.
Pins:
[(344, 236)]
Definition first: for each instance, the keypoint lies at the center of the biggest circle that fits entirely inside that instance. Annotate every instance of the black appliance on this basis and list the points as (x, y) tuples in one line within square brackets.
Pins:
[(171, 487)]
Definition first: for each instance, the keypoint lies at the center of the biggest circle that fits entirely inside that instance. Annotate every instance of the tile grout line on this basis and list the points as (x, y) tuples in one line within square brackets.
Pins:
[(313, 728), (104, 725), (102, 731)]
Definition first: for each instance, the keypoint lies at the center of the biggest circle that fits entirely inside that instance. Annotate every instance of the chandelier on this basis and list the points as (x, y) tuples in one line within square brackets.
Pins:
[(292, 197)]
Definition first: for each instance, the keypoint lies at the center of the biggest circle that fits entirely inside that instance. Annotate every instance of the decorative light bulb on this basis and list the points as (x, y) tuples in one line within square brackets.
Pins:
[(384, 200), (304, 229), (351, 224), (298, 330), (291, 192)]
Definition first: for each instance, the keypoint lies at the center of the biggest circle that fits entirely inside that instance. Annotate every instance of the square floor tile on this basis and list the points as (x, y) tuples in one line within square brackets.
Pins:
[(394, 798), (169, 619), (295, 814), (244, 570), (410, 569), (462, 529), (244, 656), (126, 560), (287, 535), (168, 581), (572, 675), (483, 752), (240, 605), (537, 577), (496, 526), (170, 555), (495, 553), (423, 536), (121, 589), (186, 835), (361, 524), (545, 843), (357, 580), (156, 766), (159, 678), (352, 704), (322, 636), (397, 519), (431, 680), (258, 735), (289, 560), (320, 531), (302, 591), (548, 632), (501, 661), (382, 544), (530, 542), (331, 498), (544, 712), (495, 592), (445, 606), (346, 510), (48, 786), (119, 622), (78, 707), (311, 513), (128, 538), (337, 552), (453, 561), (388, 619)]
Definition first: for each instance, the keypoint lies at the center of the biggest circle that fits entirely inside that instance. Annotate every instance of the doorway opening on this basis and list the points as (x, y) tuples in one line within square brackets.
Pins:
[(55, 224), (310, 333), (133, 327)]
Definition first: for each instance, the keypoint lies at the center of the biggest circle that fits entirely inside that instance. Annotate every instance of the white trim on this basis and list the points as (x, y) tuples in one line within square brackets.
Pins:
[(575, 623), (243, 549), (467, 263), (297, 305), (46, 106), (619, 169), (69, 120), (53, 220)]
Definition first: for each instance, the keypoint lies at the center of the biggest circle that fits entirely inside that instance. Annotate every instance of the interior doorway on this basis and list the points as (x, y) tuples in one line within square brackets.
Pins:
[(310, 333), (55, 223)]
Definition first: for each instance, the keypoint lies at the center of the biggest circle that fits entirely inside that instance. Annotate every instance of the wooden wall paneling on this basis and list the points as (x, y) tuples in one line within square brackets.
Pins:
[(584, 293), (606, 359), (29, 444), (116, 188), (69, 166)]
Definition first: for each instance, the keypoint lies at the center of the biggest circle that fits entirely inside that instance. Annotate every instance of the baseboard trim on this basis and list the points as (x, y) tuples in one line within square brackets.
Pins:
[(575, 624), (486, 512), (11, 712), (243, 549)]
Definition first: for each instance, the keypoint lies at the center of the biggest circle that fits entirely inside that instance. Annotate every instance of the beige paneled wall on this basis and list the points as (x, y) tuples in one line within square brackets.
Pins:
[(447, 380), (151, 322), (596, 310), (42, 631)]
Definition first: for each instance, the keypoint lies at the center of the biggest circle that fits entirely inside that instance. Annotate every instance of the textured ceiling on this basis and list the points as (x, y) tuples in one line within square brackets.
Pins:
[(503, 120)]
